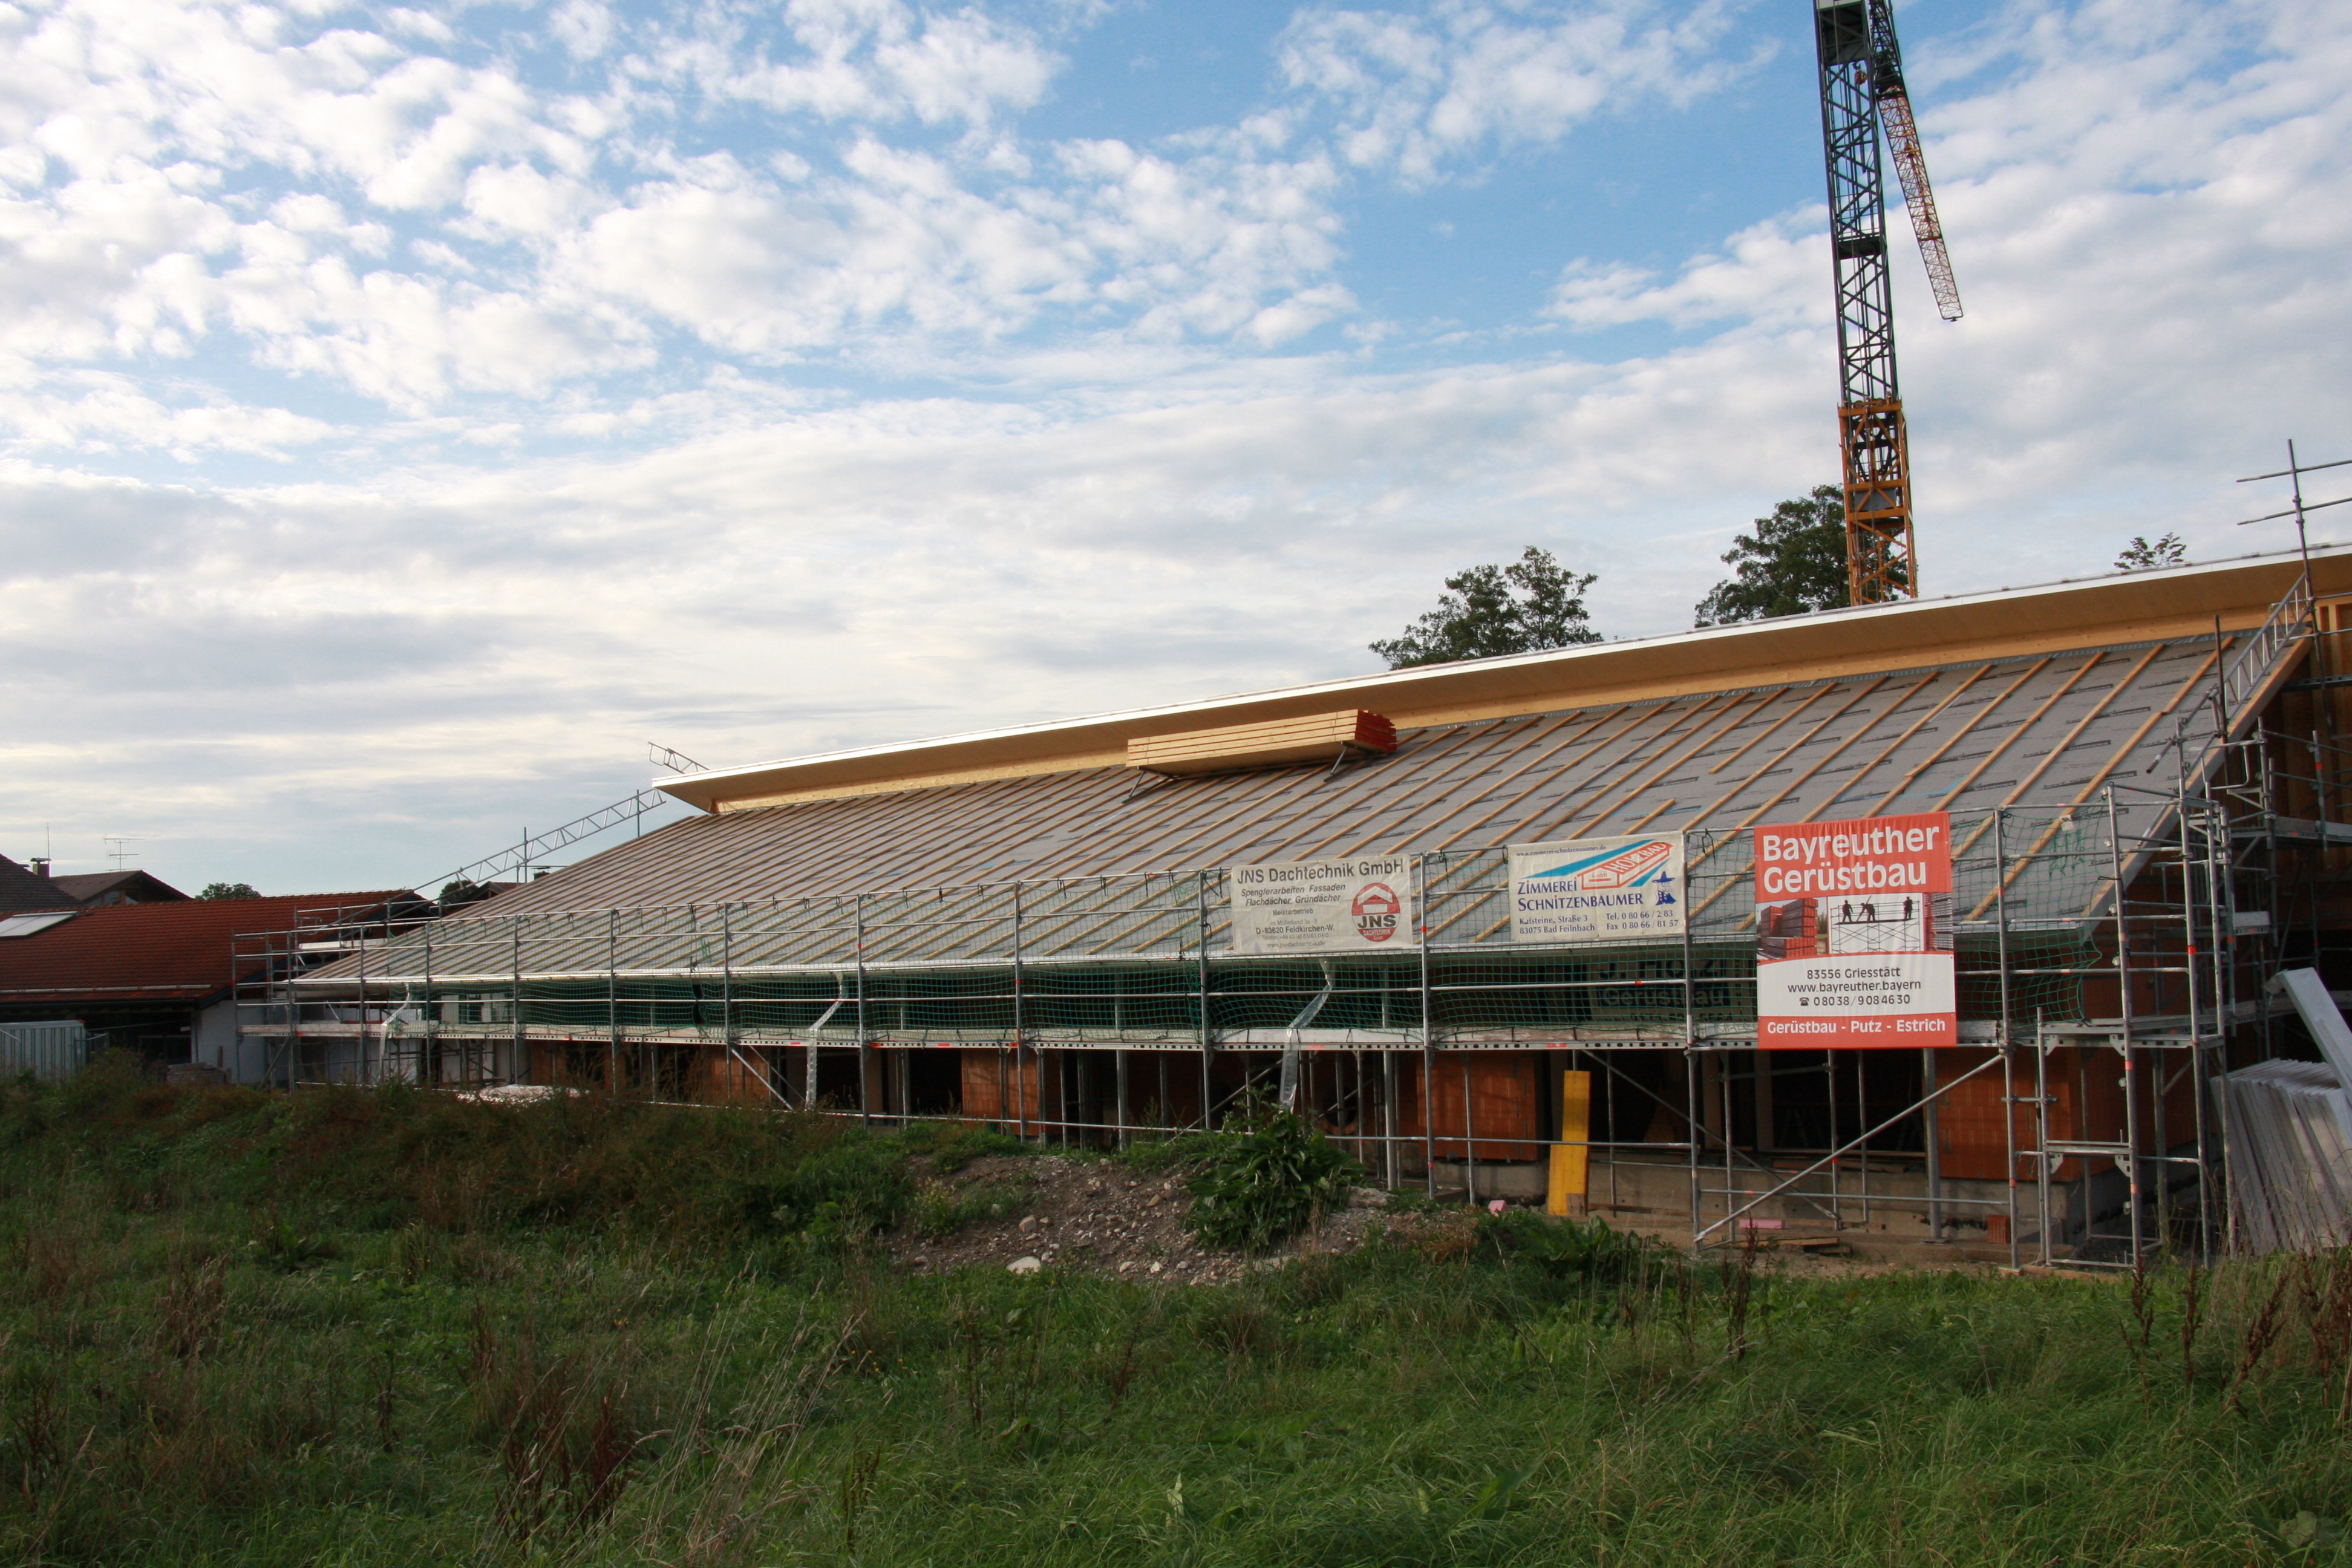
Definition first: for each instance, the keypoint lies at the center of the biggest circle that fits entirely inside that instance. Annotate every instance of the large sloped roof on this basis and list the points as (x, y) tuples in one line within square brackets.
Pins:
[(2044, 732), (2029, 732)]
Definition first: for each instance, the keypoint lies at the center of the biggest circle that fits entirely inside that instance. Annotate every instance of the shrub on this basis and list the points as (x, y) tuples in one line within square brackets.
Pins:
[(1257, 1185)]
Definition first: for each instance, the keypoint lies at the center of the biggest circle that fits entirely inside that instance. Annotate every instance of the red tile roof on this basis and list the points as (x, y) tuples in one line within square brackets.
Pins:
[(136, 952)]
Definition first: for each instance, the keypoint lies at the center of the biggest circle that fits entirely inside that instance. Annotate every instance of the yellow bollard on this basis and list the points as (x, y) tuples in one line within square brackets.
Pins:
[(1571, 1159)]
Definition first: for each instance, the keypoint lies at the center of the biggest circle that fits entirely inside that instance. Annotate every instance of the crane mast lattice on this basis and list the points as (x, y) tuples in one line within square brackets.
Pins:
[(1862, 85)]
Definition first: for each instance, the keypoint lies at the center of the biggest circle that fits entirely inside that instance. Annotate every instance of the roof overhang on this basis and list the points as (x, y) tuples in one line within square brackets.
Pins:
[(2120, 608)]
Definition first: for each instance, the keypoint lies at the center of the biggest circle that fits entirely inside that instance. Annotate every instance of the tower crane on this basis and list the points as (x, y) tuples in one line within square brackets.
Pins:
[(1863, 89)]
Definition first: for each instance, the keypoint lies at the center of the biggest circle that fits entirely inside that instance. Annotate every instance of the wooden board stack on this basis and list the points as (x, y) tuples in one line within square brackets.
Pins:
[(1311, 738)]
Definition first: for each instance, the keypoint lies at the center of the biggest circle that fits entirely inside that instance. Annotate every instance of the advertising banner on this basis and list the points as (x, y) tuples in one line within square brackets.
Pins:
[(1325, 906), (1597, 889), (1854, 933)]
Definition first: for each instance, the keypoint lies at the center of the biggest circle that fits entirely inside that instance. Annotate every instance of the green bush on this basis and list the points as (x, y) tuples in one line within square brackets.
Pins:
[(1256, 1186)]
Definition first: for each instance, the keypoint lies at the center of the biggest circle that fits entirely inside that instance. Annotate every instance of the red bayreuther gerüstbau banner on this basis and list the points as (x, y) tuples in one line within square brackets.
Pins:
[(1854, 933)]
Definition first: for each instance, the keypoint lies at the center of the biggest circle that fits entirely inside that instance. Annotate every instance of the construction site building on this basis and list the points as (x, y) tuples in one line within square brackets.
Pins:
[(1030, 927)]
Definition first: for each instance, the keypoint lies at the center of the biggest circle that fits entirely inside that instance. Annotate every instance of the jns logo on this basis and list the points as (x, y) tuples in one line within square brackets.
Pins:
[(1376, 908)]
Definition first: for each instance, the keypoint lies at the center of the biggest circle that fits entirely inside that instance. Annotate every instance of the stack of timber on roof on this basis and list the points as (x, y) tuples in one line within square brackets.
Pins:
[(1272, 743)]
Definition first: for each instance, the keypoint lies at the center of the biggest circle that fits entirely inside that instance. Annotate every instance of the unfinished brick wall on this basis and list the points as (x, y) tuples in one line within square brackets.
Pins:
[(1505, 1104)]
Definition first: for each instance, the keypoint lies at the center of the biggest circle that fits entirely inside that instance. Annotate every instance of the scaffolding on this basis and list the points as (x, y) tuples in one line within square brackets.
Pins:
[(2110, 953)]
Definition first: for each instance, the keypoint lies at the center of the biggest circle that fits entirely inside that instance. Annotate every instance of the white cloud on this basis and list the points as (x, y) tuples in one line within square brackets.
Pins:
[(583, 27), (965, 68), (526, 201), (1416, 93), (90, 412), (420, 25), (1770, 273), (550, 237), (874, 60)]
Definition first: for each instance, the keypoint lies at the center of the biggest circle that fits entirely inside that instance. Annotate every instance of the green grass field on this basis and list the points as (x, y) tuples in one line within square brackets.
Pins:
[(394, 1328)]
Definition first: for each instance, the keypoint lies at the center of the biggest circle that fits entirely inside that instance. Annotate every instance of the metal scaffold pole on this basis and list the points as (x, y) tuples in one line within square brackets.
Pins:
[(520, 1049), (1428, 1041), (1391, 1176), (432, 1048), (1021, 1083), (2009, 1096), (1692, 1118), (1208, 1035), (2135, 1181), (361, 1014), (292, 967), (727, 992), (864, 1033)]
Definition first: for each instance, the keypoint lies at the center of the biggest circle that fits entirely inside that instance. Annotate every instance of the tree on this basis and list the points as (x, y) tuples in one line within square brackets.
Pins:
[(461, 892), (1524, 607), (1793, 564), (2139, 555), (229, 890)]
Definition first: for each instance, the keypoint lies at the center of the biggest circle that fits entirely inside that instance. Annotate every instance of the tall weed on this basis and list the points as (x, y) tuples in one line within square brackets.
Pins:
[(1264, 1179)]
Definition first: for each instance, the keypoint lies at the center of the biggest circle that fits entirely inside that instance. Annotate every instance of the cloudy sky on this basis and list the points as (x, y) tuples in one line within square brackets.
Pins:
[(407, 414)]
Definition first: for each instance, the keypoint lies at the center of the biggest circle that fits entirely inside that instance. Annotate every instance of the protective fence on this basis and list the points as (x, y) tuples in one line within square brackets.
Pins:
[(1094, 1009), (1146, 962)]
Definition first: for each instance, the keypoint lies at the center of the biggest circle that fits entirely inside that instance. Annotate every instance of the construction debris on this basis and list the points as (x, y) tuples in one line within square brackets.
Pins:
[(2290, 1156), (2291, 1133)]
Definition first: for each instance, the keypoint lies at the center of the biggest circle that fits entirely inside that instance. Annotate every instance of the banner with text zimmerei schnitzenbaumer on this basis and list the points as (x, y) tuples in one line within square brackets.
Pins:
[(1853, 933), (1364, 905), (1597, 889)]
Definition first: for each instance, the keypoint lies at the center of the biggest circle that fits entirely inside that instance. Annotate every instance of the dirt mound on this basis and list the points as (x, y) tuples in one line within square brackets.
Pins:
[(1096, 1217)]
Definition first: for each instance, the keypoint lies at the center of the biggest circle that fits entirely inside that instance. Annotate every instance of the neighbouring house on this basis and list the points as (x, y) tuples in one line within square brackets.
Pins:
[(162, 979), (101, 888)]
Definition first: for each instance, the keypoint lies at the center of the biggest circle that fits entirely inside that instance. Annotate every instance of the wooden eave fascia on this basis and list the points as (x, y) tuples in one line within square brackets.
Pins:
[(2181, 601)]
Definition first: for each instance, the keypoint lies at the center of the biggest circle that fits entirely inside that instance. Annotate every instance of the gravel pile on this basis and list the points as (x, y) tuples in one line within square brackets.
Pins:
[(1101, 1218)]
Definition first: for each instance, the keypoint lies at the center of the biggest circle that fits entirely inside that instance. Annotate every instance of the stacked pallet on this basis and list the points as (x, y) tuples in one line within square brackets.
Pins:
[(2290, 1134), (1314, 737), (2291, 1156)]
